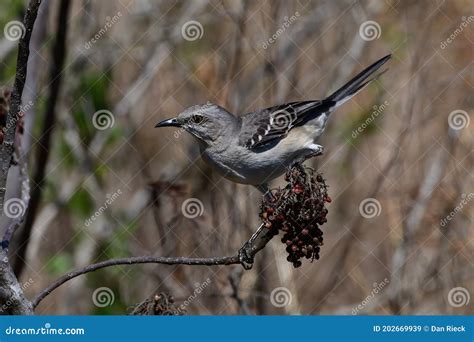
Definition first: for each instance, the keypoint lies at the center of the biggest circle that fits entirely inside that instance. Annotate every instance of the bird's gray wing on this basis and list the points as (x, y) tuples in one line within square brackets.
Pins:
[(266, 125)]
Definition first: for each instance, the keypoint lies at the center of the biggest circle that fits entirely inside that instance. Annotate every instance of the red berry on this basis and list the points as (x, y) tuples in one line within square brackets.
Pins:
[(298, 189)]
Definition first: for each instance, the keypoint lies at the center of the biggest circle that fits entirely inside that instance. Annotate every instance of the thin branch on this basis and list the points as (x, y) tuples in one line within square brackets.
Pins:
[(25, 198), (59, 54), (7, 148), (244, 257), (32, 85)]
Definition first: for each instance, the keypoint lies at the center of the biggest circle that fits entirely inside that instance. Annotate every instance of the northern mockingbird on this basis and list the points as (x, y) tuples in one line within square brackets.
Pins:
[(259, 146)]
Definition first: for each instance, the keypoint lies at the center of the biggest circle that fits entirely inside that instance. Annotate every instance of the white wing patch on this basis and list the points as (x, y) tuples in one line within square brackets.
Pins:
[(279, 121)]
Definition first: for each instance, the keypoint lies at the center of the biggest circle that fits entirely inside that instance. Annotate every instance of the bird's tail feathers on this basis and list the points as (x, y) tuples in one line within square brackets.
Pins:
[(351, 88)]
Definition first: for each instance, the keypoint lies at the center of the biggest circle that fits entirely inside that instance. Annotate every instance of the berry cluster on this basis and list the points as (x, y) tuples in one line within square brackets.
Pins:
[(298, 210), (160, 304)]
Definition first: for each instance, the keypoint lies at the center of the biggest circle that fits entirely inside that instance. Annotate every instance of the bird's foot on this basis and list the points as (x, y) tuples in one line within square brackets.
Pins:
[(245, 256), (316, 150)]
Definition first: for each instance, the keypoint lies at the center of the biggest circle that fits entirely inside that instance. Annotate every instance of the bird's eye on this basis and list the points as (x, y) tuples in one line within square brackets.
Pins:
[(198, 119)]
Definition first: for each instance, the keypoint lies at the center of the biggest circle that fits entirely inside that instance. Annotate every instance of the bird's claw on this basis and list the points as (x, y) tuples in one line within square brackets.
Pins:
[(316, 151), (245, 257)]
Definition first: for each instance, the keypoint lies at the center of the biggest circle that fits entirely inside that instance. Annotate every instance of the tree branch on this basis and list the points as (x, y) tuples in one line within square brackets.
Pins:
[(59, 55), (25, 197), (11, 294), (244, 257), (6, 149), (12, 299)]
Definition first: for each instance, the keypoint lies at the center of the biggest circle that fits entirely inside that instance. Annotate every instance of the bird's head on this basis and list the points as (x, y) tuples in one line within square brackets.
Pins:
[(209, 123)]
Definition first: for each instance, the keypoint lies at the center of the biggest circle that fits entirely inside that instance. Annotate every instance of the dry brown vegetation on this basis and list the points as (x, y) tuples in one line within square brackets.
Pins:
[(392, 143)]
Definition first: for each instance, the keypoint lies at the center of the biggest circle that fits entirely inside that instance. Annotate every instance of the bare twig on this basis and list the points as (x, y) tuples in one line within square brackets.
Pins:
[(244, 257), (32, 85), (6, 150), (59, 54), (397, 297)]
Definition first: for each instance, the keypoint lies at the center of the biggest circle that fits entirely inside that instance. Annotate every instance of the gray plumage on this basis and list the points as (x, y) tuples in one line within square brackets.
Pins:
[(259, 146)]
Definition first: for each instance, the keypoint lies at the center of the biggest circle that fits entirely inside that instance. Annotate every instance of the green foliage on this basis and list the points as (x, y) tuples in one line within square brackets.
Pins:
[(8, 69), (81, 203), (65, 153), (80, 118), (117, 246), (11, 9), (101, 171), (95, 85), (365, 123), (59, 264), (115, 134), (92, 94), (349, 129), (111, 305)]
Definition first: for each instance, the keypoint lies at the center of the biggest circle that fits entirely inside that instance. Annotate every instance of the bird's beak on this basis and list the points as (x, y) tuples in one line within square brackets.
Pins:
[(168, 123)]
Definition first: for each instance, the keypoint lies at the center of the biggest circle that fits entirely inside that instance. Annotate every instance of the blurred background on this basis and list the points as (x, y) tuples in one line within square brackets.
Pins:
[(104, 183)]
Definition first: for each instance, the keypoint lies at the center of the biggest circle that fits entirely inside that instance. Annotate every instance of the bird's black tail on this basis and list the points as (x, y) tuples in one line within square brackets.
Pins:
[(357, 83)]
